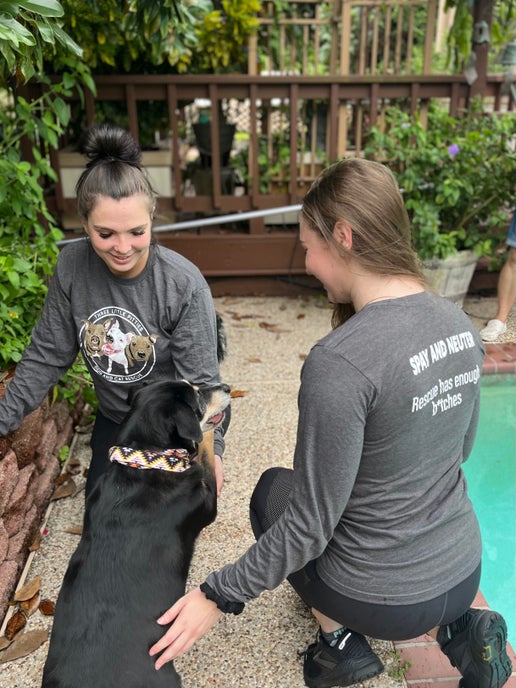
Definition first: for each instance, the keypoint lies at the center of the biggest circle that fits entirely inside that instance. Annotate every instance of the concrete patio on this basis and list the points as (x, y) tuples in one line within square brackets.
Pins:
[(268, 339)]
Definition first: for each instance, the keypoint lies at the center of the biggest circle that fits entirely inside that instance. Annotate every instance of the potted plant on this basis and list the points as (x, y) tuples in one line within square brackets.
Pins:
[(457, 176)]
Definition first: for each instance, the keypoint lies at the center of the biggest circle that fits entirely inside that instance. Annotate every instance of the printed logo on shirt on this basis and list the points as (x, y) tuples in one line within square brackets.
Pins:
[(443, 394), (117, 346)]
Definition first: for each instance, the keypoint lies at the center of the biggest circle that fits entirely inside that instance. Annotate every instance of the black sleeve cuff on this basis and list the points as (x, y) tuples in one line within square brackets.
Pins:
[(224, 605)]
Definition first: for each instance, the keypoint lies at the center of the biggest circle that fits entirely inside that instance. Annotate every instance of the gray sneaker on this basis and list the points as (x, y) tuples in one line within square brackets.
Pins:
[(476, 645)]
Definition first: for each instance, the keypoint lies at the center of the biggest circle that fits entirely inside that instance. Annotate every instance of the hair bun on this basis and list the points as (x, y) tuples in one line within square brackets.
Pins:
[(105, 143)]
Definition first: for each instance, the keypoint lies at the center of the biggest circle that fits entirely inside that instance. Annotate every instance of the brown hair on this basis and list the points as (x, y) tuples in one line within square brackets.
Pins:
[(114, 169), (365, 195)]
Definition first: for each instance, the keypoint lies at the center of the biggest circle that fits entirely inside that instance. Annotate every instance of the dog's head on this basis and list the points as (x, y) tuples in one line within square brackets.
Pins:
[(169, 414), (93, 336), (140, 347)]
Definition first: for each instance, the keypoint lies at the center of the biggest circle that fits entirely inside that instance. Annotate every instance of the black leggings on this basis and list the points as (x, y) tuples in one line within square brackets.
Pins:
[(386, 622)]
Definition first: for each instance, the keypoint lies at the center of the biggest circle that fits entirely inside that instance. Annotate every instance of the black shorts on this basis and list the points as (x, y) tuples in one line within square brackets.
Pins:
[(386, 622)]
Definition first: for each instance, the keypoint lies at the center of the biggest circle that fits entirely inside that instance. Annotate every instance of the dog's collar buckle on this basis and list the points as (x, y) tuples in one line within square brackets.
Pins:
[(175, 460)]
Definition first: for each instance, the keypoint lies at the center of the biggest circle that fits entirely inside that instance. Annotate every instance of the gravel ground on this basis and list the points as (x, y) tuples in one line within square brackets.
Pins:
[(268, 339)]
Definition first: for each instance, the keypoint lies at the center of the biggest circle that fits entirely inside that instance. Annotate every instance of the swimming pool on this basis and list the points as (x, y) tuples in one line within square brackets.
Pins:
[(490, 472)]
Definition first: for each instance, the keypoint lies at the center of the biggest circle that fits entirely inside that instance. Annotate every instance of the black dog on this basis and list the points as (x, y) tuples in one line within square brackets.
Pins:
[(140, 528)]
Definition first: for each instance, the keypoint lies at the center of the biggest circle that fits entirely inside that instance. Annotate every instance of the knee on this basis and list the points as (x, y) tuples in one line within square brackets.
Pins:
[(269, 498), (262, 489)]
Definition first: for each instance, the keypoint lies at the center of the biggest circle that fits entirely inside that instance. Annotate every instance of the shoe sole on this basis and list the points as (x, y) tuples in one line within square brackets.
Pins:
[(488, 639), (369, 670)]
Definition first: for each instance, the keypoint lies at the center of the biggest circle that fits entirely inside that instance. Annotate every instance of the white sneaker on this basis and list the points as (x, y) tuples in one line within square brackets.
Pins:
[(493, 330)]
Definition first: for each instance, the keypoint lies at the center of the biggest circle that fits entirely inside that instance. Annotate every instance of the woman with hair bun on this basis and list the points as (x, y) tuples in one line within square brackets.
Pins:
[(373, 527), (136, 311)]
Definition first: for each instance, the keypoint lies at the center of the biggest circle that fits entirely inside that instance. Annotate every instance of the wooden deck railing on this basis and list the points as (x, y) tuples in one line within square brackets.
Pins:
[(277, 149), (286, 129), (345, 37)]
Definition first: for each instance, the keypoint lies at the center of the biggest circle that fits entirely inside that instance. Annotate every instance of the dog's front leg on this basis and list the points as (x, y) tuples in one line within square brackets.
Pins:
[(206, 451), (206, 455)]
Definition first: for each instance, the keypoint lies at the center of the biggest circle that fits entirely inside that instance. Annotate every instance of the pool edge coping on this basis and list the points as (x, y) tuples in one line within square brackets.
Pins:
[(500, 358)]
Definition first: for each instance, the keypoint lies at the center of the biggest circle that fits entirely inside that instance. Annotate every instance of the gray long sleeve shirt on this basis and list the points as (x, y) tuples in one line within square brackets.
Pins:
[(388, 409), (158, 325)]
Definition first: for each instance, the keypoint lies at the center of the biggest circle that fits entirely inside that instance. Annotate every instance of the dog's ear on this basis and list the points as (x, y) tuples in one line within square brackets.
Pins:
[(187, 423)]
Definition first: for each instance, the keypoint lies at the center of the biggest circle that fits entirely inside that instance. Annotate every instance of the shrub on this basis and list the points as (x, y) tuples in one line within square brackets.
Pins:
[(457, 175)]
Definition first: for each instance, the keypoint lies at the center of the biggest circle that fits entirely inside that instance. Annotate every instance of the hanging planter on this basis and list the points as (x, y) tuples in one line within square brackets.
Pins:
[(202, 131)]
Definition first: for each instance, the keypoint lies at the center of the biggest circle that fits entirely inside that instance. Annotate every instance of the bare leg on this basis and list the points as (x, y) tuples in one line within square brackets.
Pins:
[(507, 287), (327, 625)]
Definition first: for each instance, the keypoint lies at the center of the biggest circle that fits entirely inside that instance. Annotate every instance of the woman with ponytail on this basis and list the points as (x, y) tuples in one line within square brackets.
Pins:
[(136, 311)]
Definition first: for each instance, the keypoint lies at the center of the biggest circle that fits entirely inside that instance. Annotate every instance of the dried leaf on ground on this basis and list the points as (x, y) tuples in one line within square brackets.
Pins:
[(29, 590), (74, 530), (62, 478), (73, 466), (4, 642), (273, 328), (36, 543), (236, 393), (253, 359), (15, 624), (28, 607), (237, 316), (23, 645), (66, 490), (47, 607)]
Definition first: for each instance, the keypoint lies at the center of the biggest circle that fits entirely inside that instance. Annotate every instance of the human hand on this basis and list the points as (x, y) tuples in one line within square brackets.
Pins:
[(191, 617), (219, 474)]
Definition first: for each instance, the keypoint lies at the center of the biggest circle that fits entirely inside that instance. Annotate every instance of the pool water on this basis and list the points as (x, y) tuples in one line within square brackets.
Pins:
[(490, 472)]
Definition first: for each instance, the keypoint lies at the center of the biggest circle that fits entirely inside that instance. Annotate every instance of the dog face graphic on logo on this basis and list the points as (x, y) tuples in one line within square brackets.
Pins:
[(117, 345)]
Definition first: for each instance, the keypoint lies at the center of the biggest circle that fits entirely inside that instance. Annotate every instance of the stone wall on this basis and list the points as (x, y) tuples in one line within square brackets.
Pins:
[(28, 469)]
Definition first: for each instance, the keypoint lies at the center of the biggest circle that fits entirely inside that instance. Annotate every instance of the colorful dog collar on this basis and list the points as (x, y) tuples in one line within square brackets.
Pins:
[(176, 460)]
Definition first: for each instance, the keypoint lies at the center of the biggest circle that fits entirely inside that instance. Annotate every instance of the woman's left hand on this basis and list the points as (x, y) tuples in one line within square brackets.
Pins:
[(191, 617)]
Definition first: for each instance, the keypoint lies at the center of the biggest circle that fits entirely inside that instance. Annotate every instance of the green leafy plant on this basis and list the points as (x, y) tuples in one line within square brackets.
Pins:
[(457, 175), (223, 35), (64, 453), (135, 35), (76, 383), (29, 32), (398, 668)]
